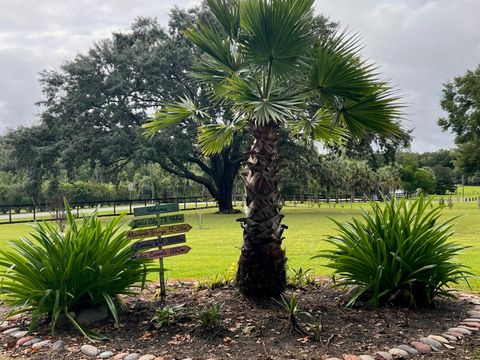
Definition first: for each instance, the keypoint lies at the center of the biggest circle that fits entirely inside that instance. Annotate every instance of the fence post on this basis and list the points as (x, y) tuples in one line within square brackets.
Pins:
[(34, 213), (10, 214), (114, 207), (184, 203), (130, 207)]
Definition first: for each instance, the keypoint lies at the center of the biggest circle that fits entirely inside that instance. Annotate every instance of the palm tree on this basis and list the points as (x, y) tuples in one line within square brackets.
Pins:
[(262, 60)]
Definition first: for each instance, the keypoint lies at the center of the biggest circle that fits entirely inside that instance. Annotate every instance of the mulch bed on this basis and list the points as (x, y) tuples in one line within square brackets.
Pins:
[(250, 330)]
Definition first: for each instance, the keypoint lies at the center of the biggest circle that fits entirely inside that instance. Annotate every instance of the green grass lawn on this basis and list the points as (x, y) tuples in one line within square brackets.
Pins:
[(216, 239)]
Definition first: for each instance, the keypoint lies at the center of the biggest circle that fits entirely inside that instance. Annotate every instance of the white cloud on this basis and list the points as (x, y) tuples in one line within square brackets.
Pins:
[(419, 44)]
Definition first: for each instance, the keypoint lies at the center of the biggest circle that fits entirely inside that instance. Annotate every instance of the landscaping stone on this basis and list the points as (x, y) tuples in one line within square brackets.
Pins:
[(438, 338), (421, 347), (454, 333), (41, 344), (147, 357), (474, 313), (24, 339), (334, 359), (399, 353), (366, 357), (89, 350), (412, 351), (434, 344), (472, 324), (133, 356), (460, 330), (472, 320), (383, 355), (5, 325), (106, 355), (120, 356), (31, 342), (19, 334), (448, 346), (11, 330), (449, 337), (89, 316), (350, 357), (468, 327), (58, 345)]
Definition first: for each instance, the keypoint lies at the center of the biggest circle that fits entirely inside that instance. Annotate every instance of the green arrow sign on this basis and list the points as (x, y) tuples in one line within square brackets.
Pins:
[(157, 221), (148, 244), (155, 209), (165, 230)]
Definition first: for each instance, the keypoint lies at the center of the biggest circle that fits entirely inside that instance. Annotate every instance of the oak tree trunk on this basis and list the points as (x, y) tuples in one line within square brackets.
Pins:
[(261, 267)]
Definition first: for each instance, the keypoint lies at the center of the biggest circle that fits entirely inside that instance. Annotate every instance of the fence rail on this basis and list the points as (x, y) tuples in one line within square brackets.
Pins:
[(23, 213)]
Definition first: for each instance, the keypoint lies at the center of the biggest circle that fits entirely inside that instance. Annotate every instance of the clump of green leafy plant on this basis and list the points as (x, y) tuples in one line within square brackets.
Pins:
[(209, 316), (290, 306), (167, 315), (400, 253), (300, 277), (58, 272)]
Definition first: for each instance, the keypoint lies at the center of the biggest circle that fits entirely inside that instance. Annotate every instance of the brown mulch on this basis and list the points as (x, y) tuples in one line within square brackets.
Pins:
[(250, 330)]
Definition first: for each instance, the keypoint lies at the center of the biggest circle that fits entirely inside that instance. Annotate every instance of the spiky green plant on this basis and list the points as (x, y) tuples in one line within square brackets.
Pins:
[(398, 253), (57, 272), (291, 307)]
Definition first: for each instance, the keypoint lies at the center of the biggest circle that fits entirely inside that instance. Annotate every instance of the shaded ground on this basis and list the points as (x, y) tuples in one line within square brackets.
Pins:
[(249, 330)]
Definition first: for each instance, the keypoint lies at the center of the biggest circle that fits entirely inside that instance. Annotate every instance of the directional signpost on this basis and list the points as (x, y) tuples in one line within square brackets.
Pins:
[(158, 226)]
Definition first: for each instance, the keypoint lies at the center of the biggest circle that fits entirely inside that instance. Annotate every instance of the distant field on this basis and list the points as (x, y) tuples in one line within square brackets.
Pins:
[(216, 239)]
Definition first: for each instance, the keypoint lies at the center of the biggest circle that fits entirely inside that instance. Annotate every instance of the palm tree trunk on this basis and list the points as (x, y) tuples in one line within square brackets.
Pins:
[(261, 267)]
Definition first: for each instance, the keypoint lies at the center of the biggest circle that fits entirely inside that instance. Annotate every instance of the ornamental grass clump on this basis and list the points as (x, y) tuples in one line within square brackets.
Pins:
[(400, 254), (55, 272)]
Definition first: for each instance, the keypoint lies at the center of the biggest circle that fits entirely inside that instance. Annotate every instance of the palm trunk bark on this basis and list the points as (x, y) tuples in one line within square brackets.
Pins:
[(261, 267)]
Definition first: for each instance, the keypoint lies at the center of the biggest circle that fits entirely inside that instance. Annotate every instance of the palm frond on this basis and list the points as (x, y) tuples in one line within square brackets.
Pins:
[(228, 14), (338, 70), (319, 127), (171, 114), (213, 138), (276, 32)]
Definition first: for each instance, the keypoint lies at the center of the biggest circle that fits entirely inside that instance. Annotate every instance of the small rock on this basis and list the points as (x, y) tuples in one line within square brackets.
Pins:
[(448, 346), (473, 324), (453, 333), (120, 356), (19, 334), (147, 357), (449, 337), (434, 344), (460, 330), (89, 316), (15, 317), (334, 359), (58, 345), (468, 328), (31, 342), (41, 344), (412, 351), (106, 355), (438, 338), (350, 357), (366, 357), (5, 325), (421, 347), (474, 313), (399, 353), (11, 330), (383, 355), (89, 350), (133, 356), (472, 320), (24, 339)]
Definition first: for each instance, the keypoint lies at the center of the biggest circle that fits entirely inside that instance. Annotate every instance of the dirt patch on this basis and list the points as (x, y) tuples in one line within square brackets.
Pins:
[(249, 330)]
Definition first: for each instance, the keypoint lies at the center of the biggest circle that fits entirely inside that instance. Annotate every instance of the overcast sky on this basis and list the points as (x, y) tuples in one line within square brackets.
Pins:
[(418, 43)]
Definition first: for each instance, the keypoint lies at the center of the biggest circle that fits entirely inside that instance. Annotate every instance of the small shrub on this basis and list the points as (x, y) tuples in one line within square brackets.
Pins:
[(59, 272), (166, 316), (209, 316), (398, 254), (290, 306), (300, 277)]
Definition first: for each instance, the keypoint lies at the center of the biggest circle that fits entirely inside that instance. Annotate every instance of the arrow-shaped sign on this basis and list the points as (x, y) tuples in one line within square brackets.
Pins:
[(148, 244), (155, 209), (164, 230), (157, 221), (159, 254)]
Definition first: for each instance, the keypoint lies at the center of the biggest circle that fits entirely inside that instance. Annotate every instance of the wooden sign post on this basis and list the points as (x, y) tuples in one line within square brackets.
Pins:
[(158, 226)]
